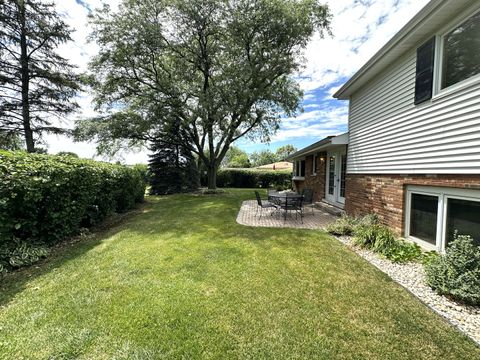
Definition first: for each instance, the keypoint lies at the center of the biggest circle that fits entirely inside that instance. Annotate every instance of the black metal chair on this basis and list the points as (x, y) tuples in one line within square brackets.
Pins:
[(308, 198), (263, 205), (294, 204)]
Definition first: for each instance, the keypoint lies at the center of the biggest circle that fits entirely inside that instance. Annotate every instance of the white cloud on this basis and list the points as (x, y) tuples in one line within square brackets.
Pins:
[(359, 29)]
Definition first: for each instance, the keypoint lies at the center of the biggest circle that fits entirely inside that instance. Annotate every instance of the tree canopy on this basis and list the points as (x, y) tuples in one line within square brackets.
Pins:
[(236, 158), (223, 68), (36, 84)]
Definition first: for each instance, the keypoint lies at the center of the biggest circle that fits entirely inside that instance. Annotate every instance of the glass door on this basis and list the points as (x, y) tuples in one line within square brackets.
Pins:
[(335, 178), (331, 177)]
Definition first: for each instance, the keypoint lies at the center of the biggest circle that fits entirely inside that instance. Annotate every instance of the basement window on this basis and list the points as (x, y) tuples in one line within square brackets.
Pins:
[(434, 214)]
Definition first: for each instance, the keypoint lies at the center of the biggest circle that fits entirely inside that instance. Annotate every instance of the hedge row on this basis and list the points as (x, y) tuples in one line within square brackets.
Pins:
[(251, 178), (45, 198)]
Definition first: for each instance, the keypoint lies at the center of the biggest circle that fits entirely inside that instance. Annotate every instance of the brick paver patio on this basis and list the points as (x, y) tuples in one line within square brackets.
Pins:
[(246, 216)]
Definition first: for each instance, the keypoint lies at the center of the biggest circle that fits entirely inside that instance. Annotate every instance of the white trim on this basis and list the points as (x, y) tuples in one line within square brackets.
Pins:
[(443, 194), (314, 165)]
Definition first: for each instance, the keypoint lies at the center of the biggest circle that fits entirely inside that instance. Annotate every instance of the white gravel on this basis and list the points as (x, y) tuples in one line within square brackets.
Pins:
[(412, 277)]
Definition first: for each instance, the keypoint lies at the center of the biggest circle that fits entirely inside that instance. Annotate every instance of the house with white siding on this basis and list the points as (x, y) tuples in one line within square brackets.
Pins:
[(412, 151)]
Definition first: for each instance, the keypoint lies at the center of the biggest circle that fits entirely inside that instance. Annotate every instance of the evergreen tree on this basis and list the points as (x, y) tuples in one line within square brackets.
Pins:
[(36, 84), (173, 168)]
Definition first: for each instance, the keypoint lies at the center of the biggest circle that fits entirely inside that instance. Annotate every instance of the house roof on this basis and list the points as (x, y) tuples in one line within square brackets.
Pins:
[(320, 145), (431, 18), (281, 165)]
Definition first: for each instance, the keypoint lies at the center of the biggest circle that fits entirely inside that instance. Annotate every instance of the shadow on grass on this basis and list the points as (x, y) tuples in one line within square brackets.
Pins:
[(18, 280), (209, 219)]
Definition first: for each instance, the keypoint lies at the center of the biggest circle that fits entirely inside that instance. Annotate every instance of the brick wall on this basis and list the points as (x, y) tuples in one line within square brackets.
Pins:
[(385, 194), (315, 182)]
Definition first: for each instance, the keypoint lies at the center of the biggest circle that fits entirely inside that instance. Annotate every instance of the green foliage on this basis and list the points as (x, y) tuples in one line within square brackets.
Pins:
[(284, 151), (457, 272), (36, 83), (10, 140), (172, 167), (236, 158), (44, 198), (67, 153), (404, 251), (225, 69), (250, 178), (19, 253), (384, 240), (263, 157), (343, 226), (368, 233), (365, 235)]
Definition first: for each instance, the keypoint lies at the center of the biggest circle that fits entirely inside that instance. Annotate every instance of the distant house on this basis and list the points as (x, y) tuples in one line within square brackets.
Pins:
[(281, 165), (412, 153)]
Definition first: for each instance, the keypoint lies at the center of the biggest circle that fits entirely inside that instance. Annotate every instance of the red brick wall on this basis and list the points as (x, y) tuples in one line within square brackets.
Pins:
[(315, 182), (385, 194)]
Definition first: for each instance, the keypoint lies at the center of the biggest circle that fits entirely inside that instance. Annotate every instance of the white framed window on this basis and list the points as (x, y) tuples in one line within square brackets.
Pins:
[(299, 170), (457, 59), (314, 164), (434, 214)]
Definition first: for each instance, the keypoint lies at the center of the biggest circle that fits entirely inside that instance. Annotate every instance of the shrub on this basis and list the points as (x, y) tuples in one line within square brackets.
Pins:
[(403, 251), (345, 225), (457, 272), (365, 235), (20, 253), (369, 233), (251, 178), (384, 240), (45, 198)]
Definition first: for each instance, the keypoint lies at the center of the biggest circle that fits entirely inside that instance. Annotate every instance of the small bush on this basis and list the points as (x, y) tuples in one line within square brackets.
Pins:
[(457, 272), (365, 235), (368, 233), (20, 253), (384, 240), (343, 226), (403, 251)]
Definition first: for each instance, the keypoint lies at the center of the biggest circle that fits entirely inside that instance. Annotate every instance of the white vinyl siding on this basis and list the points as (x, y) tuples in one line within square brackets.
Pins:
[(389, 134)]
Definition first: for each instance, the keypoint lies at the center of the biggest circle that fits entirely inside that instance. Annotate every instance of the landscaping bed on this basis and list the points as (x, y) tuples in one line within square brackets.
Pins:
[(411, 275)]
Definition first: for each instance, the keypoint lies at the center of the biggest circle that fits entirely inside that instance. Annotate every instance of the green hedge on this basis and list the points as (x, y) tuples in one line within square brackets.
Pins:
[(250, 178), (46, 198)]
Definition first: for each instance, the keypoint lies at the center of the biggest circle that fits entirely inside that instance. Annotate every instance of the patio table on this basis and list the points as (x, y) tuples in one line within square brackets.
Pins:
[(285, 200)]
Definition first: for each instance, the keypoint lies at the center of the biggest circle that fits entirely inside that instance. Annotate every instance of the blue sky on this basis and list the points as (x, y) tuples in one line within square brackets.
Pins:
[(360, 28)]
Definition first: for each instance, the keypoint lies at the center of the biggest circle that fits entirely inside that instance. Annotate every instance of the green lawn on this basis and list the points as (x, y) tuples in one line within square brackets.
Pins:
[(184, 280)]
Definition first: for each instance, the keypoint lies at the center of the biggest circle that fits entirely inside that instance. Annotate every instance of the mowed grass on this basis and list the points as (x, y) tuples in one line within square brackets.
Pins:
[(183, 280)]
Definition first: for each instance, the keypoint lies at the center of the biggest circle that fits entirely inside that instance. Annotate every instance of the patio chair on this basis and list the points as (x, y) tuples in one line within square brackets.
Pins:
[(294, 204), (308, 198), (263, 204)]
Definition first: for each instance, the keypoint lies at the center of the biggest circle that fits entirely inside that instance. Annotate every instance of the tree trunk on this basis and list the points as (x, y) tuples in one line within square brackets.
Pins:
[(25, 81), (212, 177)]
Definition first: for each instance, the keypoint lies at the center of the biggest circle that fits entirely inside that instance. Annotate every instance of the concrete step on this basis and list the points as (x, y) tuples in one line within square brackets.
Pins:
[(329, 208)]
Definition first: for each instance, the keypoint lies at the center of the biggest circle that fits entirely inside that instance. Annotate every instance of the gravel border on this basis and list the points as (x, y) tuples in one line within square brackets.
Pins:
[(412, 277)]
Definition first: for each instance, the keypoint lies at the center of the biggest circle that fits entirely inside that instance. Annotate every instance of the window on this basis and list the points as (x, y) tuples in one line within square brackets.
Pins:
[(342, 175), (314, 165), (463, 216), (434, 214), (299, 168), (448, 59), (331, 175), (423, 217), (461, 52)]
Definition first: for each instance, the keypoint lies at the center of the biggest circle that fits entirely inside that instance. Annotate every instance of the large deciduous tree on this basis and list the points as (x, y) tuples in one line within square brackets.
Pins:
[(36, 84), (223, 68)]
